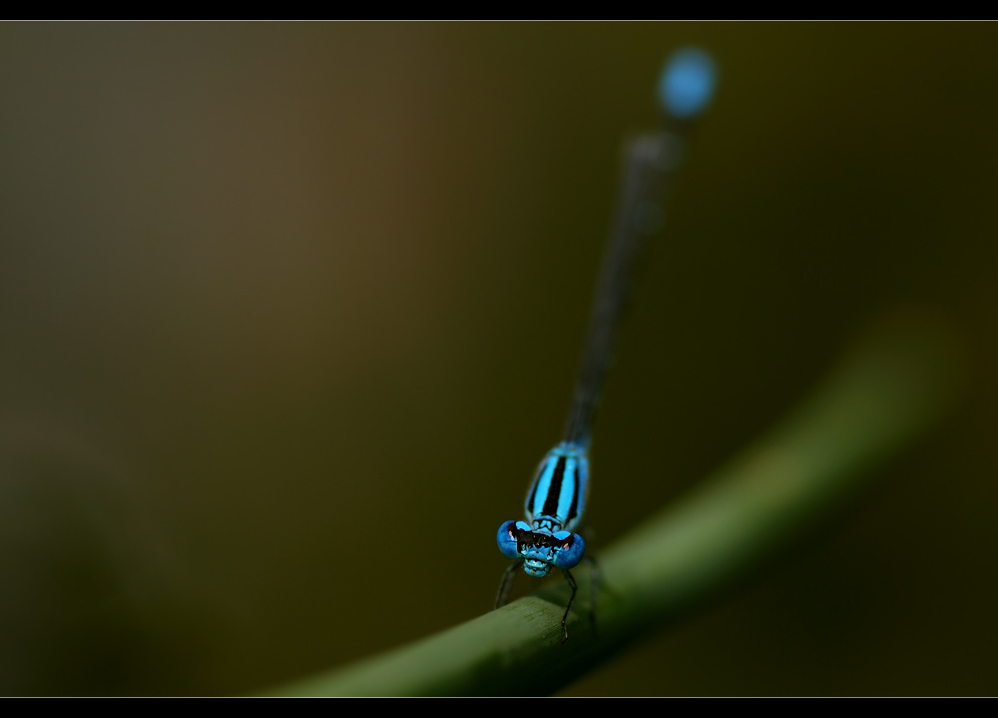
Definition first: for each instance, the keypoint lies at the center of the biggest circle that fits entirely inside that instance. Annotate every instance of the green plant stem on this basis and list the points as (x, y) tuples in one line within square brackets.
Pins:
[(882, 395)]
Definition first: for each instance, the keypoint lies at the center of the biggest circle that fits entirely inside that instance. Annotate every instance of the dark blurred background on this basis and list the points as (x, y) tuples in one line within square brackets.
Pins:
[(289, 312)]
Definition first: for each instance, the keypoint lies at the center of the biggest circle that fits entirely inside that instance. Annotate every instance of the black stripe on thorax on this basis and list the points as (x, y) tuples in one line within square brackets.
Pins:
[(573, 510), (554, 492)]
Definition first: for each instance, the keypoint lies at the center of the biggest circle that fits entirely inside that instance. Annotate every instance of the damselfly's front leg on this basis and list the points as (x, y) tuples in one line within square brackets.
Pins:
[(575, 588), (506, 583)]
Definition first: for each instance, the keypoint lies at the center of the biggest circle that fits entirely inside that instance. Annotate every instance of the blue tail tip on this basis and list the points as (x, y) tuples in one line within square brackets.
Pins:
[(687, 83)]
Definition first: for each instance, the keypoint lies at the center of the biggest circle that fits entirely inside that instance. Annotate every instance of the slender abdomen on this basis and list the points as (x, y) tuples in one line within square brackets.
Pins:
[(558, 492)]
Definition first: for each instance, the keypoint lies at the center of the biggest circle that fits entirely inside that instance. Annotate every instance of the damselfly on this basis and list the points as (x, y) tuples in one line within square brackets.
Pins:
[(557, 496)]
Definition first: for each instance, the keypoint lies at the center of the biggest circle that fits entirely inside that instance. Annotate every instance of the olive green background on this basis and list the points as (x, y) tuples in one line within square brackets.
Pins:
[(289, 312)]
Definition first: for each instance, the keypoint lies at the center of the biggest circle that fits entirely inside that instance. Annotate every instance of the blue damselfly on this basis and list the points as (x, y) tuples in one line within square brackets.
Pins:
[(556, 498)]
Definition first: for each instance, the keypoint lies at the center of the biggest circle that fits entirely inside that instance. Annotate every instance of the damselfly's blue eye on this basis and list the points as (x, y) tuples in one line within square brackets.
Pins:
[(569, 551), (506, 538)]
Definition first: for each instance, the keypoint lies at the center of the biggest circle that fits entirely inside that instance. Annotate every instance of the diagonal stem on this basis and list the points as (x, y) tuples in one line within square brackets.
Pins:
[(884, 394)]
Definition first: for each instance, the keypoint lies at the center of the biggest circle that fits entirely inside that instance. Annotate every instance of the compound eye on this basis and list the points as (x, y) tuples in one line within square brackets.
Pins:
[(506, 538), (570, 550)]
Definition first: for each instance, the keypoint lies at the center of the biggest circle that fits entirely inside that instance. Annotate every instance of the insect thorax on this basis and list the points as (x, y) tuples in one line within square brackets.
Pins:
[(557, 495)]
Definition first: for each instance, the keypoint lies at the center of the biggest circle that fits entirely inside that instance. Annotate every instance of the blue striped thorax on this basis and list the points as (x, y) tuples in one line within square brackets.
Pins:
[(555, 502), (557, 495)]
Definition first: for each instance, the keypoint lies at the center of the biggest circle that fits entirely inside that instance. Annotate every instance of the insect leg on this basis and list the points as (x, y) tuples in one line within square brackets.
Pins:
[(506, 583), (575, 588)]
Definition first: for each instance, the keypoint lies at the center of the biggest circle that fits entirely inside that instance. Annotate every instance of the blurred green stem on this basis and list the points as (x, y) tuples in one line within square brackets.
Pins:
[(883, 394)]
